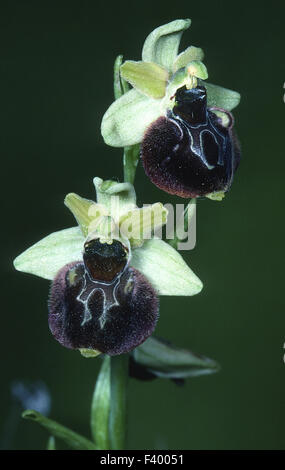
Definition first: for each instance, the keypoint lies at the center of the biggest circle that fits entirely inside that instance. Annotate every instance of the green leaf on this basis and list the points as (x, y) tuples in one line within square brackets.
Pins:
[(51, 443), (100, 408), (126, 120), (165, 269), (164, 359), (147, 77), (220, 97), (191, 53), (161, 46), (71, 438), (117, 423), (120, 85), (49, 255)]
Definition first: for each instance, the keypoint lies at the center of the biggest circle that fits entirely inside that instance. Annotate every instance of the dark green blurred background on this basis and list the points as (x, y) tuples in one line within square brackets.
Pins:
[(56, 83)]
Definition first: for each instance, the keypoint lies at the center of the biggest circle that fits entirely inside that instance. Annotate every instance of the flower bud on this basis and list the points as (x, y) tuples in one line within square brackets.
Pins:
[(102, 304), (191, 151)]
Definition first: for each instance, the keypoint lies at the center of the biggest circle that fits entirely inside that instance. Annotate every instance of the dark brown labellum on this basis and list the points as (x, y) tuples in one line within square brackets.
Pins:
[(112, 318), (190, 152)]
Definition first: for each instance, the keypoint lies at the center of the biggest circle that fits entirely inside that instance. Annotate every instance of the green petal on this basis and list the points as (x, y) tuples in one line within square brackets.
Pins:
[(221, 97), (139, 224), (86, 212), (147, 77), (191, 53), (165, 269), (126, 120), (161, 46), (164, 359), (49, 255)]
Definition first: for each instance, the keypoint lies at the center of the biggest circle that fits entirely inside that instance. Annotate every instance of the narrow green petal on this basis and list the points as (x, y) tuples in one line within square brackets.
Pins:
[(191, 53), (45, 258), (161, 46), (221, 97), (147, 77), (165, 269), (139, 224), (126, 120), (86, 212)]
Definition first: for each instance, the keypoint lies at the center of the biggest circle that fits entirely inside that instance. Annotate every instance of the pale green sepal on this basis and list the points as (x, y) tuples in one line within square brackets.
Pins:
[(161, 46), (86, 212), (165, 269), (100, 408), (191, 53), (147, 77), (221, 97), (166, 360), (126, 120), (71, 438), (118, 198), (49, 255)]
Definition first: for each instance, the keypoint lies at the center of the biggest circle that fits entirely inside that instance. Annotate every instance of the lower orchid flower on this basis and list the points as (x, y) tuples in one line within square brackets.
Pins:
[(108, 271)]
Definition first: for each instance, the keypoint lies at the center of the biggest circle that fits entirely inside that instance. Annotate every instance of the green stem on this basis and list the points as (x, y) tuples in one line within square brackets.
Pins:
[(131, 158), (120, 364), (188, 214), (100, 408), (131, 154), (118, 405)]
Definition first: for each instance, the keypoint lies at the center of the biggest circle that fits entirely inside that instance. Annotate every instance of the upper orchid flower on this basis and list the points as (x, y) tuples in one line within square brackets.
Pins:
[(108, 271), (184, 123)]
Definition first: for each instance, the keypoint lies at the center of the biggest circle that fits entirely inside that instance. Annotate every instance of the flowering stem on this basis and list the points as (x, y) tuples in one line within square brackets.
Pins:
[(189, 213), (100, 408), (131, 157), (118, 402)]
